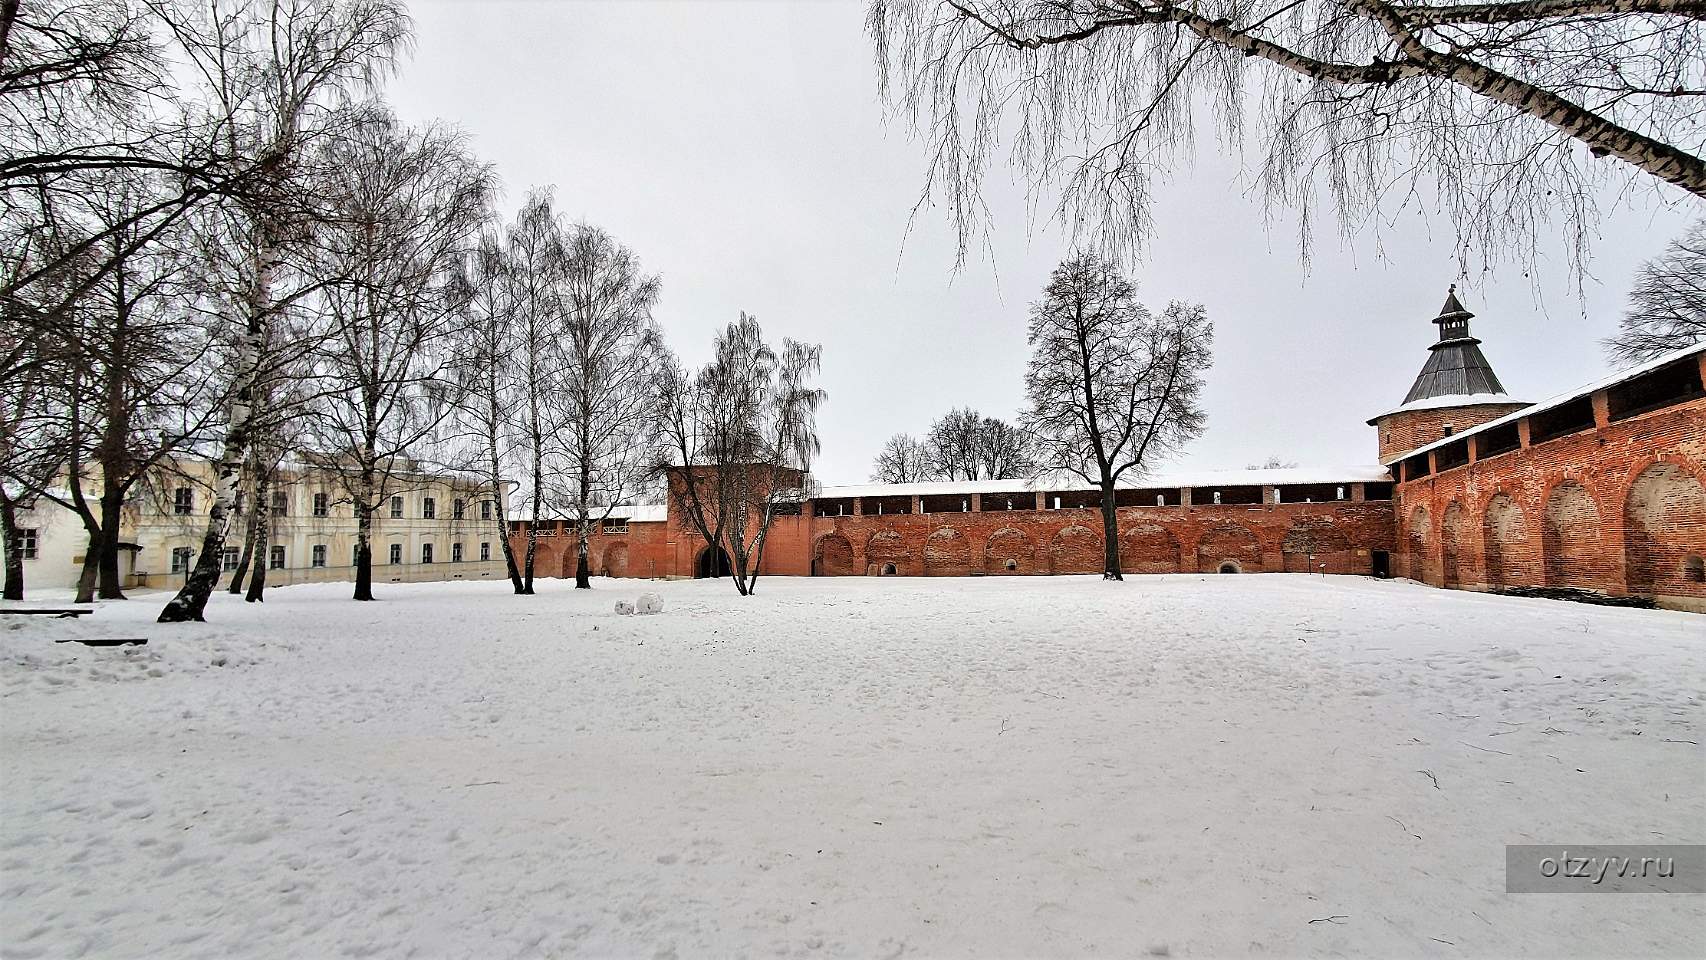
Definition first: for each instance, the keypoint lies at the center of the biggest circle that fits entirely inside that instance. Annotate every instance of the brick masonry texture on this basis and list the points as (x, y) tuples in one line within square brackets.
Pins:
[(1401, 432)]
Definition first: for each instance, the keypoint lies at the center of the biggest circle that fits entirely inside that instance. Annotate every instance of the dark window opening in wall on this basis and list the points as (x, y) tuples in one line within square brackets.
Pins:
[(787, 508), (1416, 466), (485, 550), (275, 558), (887, 505), (1454, 454), (1668, 385), (1156, 497), (833, 507), (1566, 418), (280, 503), (1077, 500), (1009, 501), (27, 543), (1496, 440), (1229, 567), (1377, 491), (485, 509), (1310, 493), (457, 509), (321, 507), (181, 557), (183, 501), (429, 508), (1694, 569), (948, 503), (426, 553), (396, 553), (888, 570), (456, 553), (317, 557), (1227, 496), (396, 508), (229, 557)]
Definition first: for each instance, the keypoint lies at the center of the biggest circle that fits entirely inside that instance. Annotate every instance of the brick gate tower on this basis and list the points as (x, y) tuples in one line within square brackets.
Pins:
[(1457, 389)]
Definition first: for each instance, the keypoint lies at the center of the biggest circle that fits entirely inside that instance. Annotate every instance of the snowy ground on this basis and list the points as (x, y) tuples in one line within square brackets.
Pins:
[(1183, 766)]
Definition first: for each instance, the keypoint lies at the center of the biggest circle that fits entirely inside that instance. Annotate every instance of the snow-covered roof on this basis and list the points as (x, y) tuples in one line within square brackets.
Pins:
[(1288, 476), (1610, 380), (642, 512), (1449, 400)]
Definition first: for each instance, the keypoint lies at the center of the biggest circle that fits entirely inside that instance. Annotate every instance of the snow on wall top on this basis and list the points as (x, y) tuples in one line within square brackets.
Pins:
[(1450, 400), (1291, 476), (1610, 380)]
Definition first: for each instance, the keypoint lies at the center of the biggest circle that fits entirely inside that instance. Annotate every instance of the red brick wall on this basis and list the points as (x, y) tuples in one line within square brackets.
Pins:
[(1618, 509), (1403, 432)]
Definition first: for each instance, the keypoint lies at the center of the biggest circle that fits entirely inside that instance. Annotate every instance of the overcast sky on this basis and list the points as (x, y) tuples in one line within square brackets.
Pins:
[(739, 148)]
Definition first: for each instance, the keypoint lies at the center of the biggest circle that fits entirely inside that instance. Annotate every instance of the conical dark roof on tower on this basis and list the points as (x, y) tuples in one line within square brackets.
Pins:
[(1456, 367)]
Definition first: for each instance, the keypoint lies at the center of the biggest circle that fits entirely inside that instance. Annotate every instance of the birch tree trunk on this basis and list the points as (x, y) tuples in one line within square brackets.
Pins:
[(262, 538)]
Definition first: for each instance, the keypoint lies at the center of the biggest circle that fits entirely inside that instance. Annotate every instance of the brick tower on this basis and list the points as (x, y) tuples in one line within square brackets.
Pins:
[(1456, 389)]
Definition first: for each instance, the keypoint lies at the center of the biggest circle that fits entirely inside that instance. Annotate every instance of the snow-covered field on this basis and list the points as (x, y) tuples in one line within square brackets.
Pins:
[(1183, 766)]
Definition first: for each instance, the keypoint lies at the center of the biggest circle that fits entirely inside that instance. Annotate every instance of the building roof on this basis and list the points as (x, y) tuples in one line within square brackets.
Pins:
[(1291, 476), (1456, 367), (1610, 380)]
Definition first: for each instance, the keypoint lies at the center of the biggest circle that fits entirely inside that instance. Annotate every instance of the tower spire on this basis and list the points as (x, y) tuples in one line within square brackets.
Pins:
[(1456, 366)]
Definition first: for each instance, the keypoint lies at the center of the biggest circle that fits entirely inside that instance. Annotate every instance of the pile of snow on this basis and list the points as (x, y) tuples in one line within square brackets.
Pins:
[(1178, 765)]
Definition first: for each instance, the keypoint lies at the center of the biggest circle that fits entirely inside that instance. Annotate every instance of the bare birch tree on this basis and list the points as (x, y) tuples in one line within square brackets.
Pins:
[(611, 354), (1110, 386), (537, 254), (1493, 113), (397, 226), (483, 361), (1667, 306), (741, 435), (283, 69)]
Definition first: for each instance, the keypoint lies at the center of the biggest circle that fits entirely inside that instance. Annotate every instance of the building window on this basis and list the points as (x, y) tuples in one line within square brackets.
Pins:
[(1449, 429), (485, 509), (275, 558), (396, 553), (429, 508), (485, 550), (456, 553), (280, 503), (320, 506), (1694, 569), (319, 556), (181, 559), (27, 543), (426, 553), (228, 559), (396, 508), (457, 509), (183, 501)]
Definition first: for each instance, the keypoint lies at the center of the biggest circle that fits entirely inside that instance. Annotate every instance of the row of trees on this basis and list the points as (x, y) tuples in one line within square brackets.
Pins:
[(961, 445), (221, 246)]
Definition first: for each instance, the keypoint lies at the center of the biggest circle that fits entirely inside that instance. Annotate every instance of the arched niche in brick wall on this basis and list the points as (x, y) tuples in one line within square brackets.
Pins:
[(1664, 531), (566, 560), (1416, 544), (1504, 531), (1009, 552), (1451, 545), (614, 563), (1146, 548), (832, 556), (1229, 542), (887, 547), (1570, 539), (947, 553), (1075, 549), (1314, 545)]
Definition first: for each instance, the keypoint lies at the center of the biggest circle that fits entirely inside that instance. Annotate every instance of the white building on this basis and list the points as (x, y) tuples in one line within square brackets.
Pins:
[(437, 526)]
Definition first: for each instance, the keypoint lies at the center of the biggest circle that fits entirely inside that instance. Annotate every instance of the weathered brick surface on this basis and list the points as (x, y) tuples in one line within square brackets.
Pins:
[(1620, 509)]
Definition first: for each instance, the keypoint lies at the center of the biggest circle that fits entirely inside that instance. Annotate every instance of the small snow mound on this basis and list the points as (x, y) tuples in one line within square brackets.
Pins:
[(649, 603), (624, 608)]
